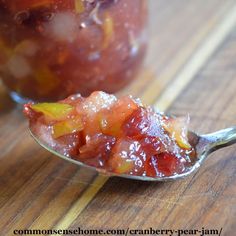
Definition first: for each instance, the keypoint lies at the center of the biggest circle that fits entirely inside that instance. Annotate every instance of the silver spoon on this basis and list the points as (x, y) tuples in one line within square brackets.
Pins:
[(204, 144)]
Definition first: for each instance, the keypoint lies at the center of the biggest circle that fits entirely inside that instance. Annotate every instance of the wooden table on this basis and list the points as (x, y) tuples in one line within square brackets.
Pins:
[(190, 68)]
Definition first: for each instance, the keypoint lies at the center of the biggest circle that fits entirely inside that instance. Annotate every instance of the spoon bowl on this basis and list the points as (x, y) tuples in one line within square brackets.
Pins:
[(204, 145)]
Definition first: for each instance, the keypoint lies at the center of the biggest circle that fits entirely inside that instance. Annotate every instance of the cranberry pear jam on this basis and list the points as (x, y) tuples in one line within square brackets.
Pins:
[(117, 135), (50, 49)]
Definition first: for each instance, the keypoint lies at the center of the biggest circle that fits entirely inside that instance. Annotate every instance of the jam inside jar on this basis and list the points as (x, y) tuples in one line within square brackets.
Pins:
[(50, 49)]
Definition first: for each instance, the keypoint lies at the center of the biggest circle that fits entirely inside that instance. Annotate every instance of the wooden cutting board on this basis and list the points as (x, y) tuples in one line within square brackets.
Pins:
[(190, 69)]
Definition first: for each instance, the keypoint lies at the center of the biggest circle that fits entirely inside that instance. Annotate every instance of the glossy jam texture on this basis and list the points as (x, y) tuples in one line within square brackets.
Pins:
[(117, 135), (52, 48)]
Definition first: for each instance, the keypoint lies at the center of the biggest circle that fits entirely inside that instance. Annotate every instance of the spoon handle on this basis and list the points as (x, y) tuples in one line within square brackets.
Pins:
[(220, 138)]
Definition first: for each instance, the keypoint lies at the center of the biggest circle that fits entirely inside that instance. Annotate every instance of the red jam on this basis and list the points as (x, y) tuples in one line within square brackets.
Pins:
[(117, 135), (50, 49)]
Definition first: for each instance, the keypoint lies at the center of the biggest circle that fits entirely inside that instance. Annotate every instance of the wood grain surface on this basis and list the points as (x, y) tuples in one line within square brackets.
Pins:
[(190, 69)]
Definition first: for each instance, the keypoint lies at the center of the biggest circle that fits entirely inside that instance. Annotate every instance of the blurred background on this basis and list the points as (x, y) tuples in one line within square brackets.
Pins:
[(189, 68)]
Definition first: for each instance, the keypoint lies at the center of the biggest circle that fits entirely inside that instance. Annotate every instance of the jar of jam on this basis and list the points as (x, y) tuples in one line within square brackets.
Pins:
[(50, 49)]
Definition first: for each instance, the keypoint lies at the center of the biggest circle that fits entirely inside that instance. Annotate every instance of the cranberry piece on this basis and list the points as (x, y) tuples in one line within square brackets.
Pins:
[(151, 145), (97, 150), (151, 168), (68, 144), (164, 164), (142, 123)]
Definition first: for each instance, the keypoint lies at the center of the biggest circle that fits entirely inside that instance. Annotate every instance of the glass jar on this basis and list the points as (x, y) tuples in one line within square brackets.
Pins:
[(50, 49)]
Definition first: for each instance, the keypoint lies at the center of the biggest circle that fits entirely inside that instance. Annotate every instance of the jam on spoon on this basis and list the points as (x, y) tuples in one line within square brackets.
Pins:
[(118, 136)]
